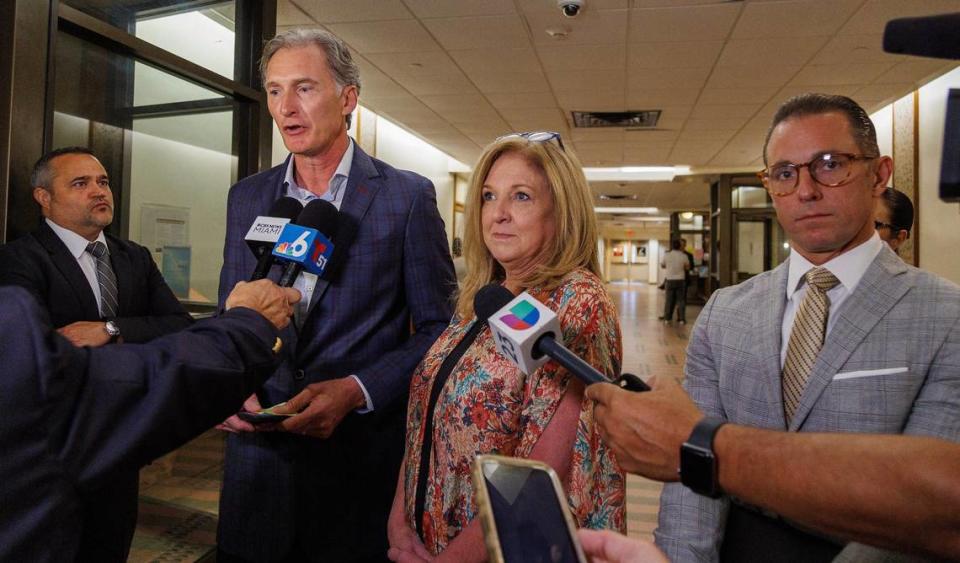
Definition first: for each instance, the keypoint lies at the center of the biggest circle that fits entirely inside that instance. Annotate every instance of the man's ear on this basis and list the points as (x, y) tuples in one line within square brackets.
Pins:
[(882, 175), (42, 197)]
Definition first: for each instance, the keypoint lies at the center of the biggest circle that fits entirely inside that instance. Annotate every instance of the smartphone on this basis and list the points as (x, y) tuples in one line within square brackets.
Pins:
[(524, 512), (263, 416)]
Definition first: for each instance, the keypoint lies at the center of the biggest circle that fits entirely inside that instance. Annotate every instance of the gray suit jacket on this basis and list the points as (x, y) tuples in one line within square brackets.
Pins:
[(891, 364)]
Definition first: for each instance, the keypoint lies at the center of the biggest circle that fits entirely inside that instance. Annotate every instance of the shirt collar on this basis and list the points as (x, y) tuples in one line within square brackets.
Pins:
[(75, 243), (337, 181), (848, 267)]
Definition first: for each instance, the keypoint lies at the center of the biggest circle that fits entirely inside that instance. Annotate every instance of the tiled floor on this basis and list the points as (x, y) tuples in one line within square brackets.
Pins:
[(178, 494)]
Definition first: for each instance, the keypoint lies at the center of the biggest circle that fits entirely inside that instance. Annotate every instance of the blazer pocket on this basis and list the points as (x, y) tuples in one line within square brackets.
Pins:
[(868, 373)]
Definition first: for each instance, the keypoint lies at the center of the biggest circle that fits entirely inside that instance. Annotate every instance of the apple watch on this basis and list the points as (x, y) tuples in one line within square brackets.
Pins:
[(698, 464), (113, 330)]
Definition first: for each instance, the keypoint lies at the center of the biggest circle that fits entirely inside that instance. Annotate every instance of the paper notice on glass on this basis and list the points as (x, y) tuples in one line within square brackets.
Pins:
[(164, 225)]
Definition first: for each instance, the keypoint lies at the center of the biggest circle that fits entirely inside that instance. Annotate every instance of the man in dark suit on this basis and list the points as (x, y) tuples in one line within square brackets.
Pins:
[(320, 487), (91, 300), (76, 418), (96, 289)]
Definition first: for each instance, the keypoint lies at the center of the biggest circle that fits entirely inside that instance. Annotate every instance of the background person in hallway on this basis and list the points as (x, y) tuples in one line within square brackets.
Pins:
[(320, 488), (894, 218), (675, 279), (868, 345), (76, 418), (529, 226), (91, 301), (902, 492)]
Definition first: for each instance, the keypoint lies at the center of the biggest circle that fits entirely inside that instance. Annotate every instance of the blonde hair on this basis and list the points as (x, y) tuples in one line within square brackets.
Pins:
[(575, 243)]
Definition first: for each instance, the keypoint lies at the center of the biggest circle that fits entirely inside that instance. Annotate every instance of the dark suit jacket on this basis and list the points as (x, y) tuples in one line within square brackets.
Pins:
[(41, 263), (391, 266), (76, 418)]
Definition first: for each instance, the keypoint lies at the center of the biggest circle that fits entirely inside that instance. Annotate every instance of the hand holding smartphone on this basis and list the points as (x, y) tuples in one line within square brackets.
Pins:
[(524, 512), (264, 416)]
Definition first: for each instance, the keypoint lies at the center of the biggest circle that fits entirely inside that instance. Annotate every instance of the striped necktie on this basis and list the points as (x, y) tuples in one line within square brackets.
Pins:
[(806, 338), (106, 278)]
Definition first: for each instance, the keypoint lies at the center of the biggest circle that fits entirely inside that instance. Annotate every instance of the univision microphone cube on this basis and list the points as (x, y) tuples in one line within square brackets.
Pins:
[(305, 246), (517, 327)]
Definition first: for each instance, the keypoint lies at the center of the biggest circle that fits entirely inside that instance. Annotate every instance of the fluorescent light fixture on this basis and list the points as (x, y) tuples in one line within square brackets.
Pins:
[(626, 210), (635, 173)]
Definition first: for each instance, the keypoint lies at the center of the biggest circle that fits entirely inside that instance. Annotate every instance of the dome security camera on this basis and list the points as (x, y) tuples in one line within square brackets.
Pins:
[(570, 8)]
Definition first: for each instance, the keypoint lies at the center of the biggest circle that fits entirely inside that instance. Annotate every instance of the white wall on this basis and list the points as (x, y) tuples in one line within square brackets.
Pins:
[(939, 222)]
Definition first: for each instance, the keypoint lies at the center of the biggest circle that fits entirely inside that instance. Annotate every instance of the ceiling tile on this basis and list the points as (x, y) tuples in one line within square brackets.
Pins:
[(385, 36), (770, 52), (543, 123), (419, 63), (882, 92), (522, 59), (686, 23), (331, 11), (290, 14), (693, 134), (494, 32), (652, 99), (461, 107), (447, 9), (598, 134), (592, 80), (689, 54), (535, 6), (522, 100), (727, 111), (751, 76), (639, 157), (797, 18), (590, 27), (873, 16), (736, 95), (916, 70), (453, 83), (570, 56), (599, 100), (494, 82), (646, 136), (675, 78), (839, 74), (855, 49)]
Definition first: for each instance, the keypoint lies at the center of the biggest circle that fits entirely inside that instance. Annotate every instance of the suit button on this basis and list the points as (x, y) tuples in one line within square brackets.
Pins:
[(299, 375)]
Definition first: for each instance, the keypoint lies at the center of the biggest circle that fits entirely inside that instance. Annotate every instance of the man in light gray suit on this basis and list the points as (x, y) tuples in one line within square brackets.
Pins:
[(842, 337)]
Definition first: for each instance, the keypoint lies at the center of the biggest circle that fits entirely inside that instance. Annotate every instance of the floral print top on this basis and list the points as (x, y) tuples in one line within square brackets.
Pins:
[(488, 406)]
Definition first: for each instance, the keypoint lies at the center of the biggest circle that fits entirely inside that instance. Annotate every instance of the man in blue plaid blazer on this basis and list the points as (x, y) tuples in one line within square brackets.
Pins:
[(320, 486), (890, 359)]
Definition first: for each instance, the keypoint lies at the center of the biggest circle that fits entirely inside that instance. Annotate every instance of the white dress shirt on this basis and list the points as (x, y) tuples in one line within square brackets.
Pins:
[(848, 267), (336, 188), (77, 245)]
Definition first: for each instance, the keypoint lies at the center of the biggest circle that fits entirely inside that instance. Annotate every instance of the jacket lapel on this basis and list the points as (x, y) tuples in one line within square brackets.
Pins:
[(362, 186), (880, 288), (768, 325), (66, 263)]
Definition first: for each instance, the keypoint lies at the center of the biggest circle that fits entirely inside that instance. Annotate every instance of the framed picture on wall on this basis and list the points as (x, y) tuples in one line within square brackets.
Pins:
[(640, 254)]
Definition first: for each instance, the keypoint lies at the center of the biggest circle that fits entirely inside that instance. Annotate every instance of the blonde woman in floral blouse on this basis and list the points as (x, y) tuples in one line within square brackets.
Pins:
[(530, 226)]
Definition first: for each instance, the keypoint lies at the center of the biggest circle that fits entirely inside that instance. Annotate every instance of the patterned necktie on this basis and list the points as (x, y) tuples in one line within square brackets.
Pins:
[(106, 278), (806, 338)]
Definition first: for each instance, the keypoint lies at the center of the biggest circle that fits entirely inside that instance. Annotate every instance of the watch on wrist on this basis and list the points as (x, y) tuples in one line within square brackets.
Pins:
[(112, 329), (698, 464)]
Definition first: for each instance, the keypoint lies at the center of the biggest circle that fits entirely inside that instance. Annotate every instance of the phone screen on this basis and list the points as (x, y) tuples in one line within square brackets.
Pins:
[(529, 519)]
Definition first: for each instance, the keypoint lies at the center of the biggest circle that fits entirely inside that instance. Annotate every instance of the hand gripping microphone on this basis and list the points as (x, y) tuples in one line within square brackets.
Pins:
[(305, 243), (526, 330), (265, 231)]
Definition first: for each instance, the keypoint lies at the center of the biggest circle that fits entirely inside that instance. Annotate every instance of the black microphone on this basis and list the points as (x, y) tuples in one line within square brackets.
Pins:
[(318, 215), (526, 330), (265, 231), (490, 299), (929, 36)]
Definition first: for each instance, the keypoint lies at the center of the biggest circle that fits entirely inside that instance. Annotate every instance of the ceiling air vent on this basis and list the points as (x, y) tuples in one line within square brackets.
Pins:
[(645, 118)]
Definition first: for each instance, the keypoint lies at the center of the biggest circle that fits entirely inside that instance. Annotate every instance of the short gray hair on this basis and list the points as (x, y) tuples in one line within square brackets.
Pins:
[(345, 71), (864, 133)]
